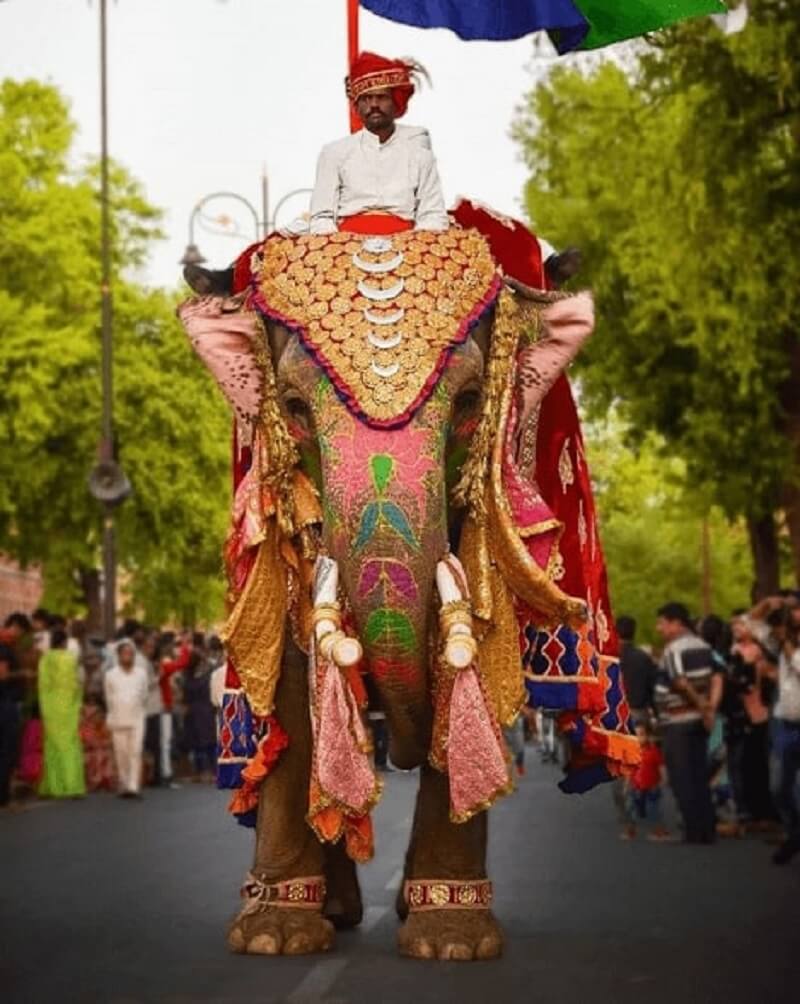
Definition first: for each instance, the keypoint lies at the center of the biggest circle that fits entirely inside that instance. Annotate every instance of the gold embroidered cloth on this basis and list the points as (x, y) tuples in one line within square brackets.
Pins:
[(379, 314)]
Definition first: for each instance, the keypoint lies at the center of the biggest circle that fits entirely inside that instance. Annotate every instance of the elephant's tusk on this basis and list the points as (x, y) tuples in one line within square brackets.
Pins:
[(393, 318), (373, 293), (378, 267), (460, 651), (344, 651), (384, 343), (460, 647), (327, 619)]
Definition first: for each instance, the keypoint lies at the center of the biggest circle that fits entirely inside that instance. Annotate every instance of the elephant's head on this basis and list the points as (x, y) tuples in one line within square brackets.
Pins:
[(382, 385), (387, 517)]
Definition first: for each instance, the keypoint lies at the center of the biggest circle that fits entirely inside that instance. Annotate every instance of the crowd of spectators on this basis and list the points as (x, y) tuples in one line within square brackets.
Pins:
[(80, 715), (718, 713)]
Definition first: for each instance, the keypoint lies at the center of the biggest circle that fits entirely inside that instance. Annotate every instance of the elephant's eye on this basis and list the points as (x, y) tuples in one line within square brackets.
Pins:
[(466, 402), (466, 409), (299, 413)]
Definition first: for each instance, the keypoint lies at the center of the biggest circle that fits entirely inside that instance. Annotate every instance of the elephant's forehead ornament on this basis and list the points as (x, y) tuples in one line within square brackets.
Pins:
[(379, 314)]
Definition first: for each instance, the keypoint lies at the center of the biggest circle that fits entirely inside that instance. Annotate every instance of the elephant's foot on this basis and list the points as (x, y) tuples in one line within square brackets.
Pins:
[(281, 931), (343, 906), (456, 935)]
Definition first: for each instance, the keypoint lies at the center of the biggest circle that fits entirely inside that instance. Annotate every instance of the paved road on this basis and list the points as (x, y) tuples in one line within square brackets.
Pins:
[(120, 903)]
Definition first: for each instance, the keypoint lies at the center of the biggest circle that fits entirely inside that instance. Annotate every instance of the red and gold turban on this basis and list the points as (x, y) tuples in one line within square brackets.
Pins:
[(370, 72)]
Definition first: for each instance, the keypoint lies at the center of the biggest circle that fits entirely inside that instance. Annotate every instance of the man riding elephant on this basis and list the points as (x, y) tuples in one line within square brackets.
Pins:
[(384, 169), (412, 501)]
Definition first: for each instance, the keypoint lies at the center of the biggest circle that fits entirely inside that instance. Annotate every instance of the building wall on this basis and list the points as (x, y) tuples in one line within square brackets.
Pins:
[(20, 589)]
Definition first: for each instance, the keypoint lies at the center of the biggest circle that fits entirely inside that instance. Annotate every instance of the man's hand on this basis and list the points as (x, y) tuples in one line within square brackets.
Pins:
[(682, 686)]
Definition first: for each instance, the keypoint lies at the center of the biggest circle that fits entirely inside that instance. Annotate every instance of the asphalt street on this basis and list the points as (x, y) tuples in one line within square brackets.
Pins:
[(110, 901)]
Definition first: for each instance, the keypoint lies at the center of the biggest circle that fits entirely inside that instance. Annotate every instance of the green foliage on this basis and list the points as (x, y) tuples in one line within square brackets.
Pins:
[(680, 180), (172, 429), (651, 524)]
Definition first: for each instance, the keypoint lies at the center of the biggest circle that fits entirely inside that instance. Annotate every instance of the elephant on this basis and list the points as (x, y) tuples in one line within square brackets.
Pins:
[(387, 510)]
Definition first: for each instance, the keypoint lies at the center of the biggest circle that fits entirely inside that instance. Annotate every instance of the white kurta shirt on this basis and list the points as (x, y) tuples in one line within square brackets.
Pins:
[(359, 173), (126, 696)]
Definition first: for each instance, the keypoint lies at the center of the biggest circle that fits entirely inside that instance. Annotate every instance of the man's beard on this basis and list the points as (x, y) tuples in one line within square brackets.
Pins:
[(377, 122)]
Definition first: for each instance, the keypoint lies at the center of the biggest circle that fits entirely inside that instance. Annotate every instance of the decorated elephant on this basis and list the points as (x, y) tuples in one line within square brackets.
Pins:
[(412, 502)]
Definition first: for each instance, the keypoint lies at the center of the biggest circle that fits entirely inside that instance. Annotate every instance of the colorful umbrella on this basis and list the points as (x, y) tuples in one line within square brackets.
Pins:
[(571, 24)]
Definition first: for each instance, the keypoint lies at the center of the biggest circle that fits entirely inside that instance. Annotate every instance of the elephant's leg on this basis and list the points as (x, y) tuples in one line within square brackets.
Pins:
[(343, 906), (441, 849), (286, 847)]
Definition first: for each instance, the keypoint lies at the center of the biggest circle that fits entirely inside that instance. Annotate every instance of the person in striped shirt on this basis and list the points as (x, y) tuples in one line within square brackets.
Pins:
[(687, 693)]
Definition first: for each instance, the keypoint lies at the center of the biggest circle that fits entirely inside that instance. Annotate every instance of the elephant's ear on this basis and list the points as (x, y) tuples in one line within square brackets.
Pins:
[(229, 342), (562, 325)]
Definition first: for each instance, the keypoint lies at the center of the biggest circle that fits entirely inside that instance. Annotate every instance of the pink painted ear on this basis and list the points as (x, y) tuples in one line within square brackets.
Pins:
[(567, 325), (570, 320), (224, 341)]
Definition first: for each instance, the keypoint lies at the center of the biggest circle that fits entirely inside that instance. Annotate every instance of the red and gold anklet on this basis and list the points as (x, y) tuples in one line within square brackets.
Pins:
[(307, 893), (448, 894)]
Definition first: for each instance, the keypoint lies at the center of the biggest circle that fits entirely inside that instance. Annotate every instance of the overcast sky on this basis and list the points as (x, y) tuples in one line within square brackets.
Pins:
[(203, 93)]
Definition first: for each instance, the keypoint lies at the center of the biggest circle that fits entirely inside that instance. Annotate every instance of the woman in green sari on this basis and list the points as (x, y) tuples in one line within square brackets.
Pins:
[(60, 699)]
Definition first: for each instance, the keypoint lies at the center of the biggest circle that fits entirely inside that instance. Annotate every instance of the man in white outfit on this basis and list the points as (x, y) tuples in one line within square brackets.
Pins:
[(383, 168), (125, 688)]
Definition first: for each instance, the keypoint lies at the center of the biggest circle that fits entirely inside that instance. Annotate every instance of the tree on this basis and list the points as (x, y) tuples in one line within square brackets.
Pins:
[(651, 524), (172, 430), (679, 178)]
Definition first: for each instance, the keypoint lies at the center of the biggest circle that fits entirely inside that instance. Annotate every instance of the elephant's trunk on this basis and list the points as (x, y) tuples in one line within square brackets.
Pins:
[(386, 529)]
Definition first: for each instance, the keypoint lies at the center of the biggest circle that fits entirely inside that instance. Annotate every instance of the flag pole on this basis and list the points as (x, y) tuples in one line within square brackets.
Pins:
[(353, 7)]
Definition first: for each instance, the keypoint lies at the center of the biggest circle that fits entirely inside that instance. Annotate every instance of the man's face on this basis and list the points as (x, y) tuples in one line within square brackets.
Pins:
[(377, 111), (669, 629), (739, 628), (126, 655)]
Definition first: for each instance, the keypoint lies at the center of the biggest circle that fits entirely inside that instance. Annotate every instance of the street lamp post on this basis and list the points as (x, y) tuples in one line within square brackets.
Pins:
[(282, 201), (107, 482), (107, 443), (193, 256)]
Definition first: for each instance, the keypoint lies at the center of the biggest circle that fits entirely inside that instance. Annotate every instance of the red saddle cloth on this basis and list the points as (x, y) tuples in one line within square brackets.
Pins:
[(369, 224), (375, 224)]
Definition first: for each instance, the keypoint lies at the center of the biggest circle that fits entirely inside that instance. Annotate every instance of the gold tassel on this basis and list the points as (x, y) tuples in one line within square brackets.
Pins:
[(282, 452), (506, 333)]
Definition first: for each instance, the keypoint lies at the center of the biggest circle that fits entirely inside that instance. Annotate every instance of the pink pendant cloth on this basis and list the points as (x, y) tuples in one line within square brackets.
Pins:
[(344, 771), (476, 763)]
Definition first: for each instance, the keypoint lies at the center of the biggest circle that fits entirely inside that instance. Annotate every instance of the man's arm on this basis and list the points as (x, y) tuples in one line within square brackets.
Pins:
[(431, 213), (325, 198), (680, 682)]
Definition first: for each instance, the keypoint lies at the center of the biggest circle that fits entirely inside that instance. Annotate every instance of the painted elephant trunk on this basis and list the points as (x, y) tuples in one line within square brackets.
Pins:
[(387, 534)]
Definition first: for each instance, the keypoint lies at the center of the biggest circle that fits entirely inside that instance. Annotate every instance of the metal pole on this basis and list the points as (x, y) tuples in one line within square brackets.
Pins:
[(264, 201), (107, 441), (289, 195)]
